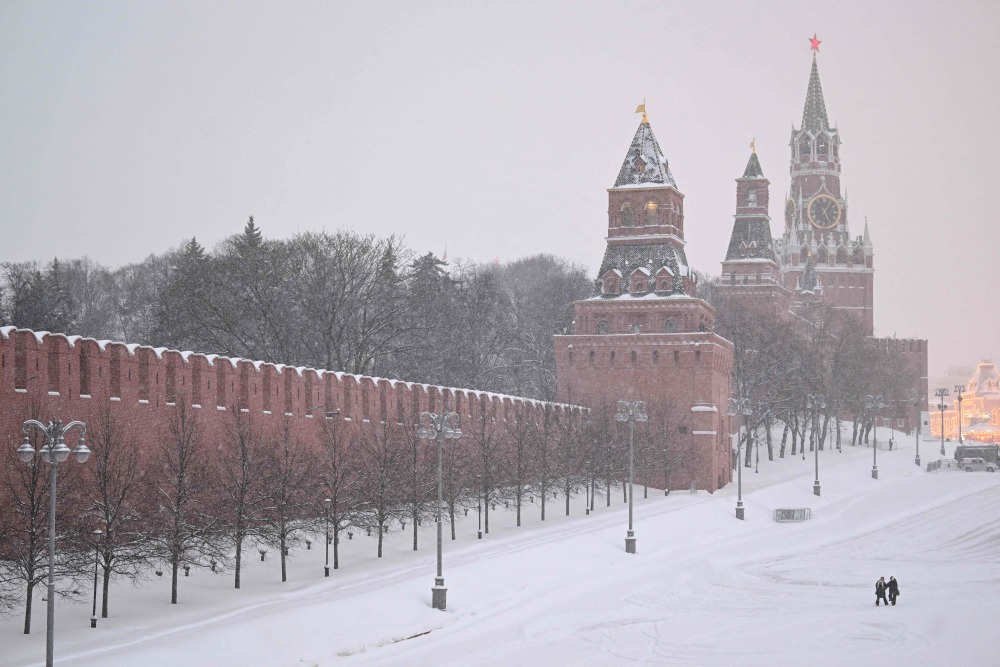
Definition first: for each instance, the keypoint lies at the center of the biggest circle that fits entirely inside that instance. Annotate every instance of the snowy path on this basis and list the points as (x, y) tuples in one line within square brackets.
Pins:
[(703, 589)]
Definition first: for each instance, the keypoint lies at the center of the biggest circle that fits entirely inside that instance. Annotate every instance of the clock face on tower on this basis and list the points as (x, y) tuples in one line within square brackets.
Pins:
[(824, 212)]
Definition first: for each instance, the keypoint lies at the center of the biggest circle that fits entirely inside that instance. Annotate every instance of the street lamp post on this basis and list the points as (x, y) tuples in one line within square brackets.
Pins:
[(916, 428), (439, 427), (53, 452), (631, 412), (97, 544), (958, 390), (739, 407), (874, 404), (666, 487), (941, 394), (326, 520), (479, 505), (815, 403)]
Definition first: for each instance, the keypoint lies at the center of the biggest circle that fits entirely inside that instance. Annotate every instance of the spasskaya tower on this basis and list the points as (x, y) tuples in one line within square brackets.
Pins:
[(820, 261)]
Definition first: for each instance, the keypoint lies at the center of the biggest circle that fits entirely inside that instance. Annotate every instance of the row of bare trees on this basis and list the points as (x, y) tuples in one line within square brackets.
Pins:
[(338, 301), (187, 497), (778, 365)]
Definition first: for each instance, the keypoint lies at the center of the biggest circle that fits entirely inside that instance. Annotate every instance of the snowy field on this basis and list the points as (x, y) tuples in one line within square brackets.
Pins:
[(703, 589)]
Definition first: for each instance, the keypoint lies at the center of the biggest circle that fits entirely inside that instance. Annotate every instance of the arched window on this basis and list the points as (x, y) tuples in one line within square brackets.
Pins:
[(821, 256), (804, 153), (751, 197), (670, 325), (602, 328), (859, 256), (841, 255), (652, 214), (612, 358), (821, 145), (633, 357), (628, 215)]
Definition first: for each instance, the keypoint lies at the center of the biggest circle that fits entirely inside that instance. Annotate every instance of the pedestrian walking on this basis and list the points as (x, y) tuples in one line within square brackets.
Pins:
[(880, 587), (892, 588)]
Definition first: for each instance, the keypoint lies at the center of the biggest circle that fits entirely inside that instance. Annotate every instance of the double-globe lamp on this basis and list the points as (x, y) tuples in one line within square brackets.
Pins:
[(53, 452)]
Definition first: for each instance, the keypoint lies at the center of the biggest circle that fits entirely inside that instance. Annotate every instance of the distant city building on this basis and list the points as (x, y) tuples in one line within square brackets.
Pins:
[(980, 413)]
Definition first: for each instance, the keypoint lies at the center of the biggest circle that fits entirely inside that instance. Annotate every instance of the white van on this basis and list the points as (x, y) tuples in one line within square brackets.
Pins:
[(977, 463)]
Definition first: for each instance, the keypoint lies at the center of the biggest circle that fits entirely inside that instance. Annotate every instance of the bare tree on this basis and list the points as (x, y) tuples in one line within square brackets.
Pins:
[(418, 477), (113, 492), (521, 434), (187, 533), (486, 443), (242, 481), (380, 465), (339, 476), (291, 488)]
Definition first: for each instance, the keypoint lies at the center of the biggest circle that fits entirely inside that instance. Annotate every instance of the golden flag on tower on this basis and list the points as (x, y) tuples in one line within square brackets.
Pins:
[(641, 108)]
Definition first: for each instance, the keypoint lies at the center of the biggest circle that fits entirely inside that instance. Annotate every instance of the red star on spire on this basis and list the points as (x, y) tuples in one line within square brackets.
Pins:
[(814, 43)]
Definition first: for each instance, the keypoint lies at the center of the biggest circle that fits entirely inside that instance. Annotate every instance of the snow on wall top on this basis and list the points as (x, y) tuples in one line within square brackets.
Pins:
[(40, 336)]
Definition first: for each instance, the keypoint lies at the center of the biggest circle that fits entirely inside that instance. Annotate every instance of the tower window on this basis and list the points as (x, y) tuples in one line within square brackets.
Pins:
[(635, 327), (670, 325), (602, 328), (628, 215), (612, 358), (751, 197), (652, 214), (633, 355), (656, 357), (592, 355)]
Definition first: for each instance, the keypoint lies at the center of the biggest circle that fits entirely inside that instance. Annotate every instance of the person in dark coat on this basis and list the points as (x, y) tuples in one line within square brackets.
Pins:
[(892, 588), (880, 587)]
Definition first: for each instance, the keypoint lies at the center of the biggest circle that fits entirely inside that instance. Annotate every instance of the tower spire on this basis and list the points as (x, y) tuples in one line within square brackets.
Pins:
[(645, 164), (814, 113)]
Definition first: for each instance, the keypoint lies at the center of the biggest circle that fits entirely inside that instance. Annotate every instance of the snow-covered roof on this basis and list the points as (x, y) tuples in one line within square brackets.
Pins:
[(644, 165), (985, 382)]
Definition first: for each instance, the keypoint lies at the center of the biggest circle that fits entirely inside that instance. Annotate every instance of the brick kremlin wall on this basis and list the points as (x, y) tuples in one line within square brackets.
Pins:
[(68, 377)]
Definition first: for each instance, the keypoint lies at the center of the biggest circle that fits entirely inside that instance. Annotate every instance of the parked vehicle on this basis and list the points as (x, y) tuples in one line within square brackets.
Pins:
[(985, 451), (977, 463)]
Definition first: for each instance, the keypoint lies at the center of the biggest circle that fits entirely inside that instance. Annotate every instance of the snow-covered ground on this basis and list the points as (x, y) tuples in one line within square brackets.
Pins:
[(703, 589)]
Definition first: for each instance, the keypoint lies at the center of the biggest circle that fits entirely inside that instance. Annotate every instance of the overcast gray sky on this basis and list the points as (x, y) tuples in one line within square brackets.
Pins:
[(496, 128)]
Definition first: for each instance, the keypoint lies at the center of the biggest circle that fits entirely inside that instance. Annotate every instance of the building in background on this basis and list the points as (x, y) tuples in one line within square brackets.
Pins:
[(643, 335), (816, 265)]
